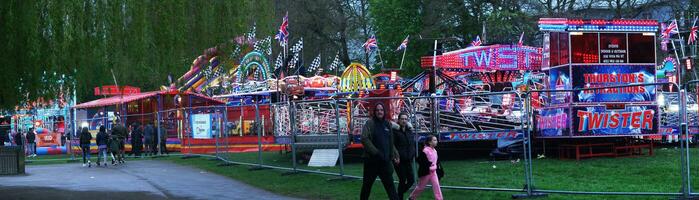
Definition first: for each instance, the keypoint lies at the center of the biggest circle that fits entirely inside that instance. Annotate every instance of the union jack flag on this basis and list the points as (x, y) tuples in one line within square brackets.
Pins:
[(370, 44), (283, 34), (403, 44), (670, 29), (476, 42), (693, 33)]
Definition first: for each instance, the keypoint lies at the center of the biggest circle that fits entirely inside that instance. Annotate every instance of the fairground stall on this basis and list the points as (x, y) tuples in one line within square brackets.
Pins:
[(172, 107), (477, 91), (580, 54), (315, 109), (48, 119)]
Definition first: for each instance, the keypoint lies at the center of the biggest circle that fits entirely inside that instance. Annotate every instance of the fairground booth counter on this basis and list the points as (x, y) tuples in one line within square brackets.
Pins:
[(171, 110), (604, 54), (479, 88)]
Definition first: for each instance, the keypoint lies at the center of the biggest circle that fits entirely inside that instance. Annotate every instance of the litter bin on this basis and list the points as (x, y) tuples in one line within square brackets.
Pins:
[(11, 160)]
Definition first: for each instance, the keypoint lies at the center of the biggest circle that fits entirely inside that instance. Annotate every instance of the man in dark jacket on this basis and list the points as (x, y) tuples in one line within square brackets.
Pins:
[(379, 153), (119, 134), (405, 143), (102, 139), (163, 140), (148, 139), (31, 142), (18, 139), (136, 139)]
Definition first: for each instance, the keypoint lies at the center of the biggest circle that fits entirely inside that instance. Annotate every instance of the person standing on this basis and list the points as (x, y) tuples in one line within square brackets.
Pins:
[(102, 139), (18, 139), (379, 153), (163, 140), (31, 142), (137, 140), (3, 136), (148, 139), (9, 136), (85, 137), (429, 169), (405, 143), (119, 135)]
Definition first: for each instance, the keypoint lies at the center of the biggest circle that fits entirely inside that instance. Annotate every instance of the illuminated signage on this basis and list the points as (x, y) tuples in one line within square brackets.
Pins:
[(598, 120), (596, 76), (494, 57), (483, 135), (114, 90)]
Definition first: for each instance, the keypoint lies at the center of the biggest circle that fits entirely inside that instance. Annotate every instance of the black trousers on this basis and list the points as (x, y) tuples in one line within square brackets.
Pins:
[(136, 149), (163, 147), (374, 167), (405, 176)]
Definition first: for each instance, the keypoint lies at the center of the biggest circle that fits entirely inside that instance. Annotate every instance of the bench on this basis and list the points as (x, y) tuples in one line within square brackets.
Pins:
[(588, 150), (633, 150)]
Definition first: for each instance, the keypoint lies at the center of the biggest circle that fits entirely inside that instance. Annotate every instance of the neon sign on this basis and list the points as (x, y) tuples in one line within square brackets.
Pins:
[(632, 120), (616, 25), (494, 57)]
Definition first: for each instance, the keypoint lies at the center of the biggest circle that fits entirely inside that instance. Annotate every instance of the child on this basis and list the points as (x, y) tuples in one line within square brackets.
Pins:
[(427, 171)]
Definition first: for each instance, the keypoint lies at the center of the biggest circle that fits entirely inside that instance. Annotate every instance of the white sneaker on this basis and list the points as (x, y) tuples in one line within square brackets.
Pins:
[(84, 164)]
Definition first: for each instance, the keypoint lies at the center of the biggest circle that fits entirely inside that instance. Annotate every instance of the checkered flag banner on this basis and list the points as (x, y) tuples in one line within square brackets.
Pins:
[(315, 65), (236, 53), (208, 72), (219, 71), (298, 46), (293, 61), (279, 62), (264, 46), (252, 34), (336, 62), (268, 45)]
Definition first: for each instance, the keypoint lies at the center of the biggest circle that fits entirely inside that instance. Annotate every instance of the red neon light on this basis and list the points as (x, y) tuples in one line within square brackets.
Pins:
[(493, 57), (618, 22), (114, 90)]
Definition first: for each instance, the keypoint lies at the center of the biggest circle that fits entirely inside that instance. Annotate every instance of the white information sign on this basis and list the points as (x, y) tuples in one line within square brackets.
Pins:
[(324, 158), (201, 126)]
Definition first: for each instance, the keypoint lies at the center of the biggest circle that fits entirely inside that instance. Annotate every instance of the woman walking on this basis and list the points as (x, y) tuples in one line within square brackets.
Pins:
[(428, 169), (85, 138)]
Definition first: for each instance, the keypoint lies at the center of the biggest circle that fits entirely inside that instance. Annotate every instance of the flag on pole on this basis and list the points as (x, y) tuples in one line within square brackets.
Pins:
[(336, 62), (283, 35), (279, 62), (298, 46), (476, 42), (521, 39), (670, 29), (250, 36), (403, 44), (693, 33), (315, 65), (370, 43)]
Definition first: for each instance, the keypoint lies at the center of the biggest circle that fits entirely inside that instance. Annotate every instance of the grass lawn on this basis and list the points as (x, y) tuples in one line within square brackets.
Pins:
[(658, 173), (51, 159)]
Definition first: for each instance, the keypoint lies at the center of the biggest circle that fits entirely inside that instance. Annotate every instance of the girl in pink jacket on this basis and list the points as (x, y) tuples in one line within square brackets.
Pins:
[(428, 164)]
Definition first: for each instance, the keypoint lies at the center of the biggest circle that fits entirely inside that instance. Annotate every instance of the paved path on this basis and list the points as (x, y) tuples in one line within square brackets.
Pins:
[(146, 179)]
